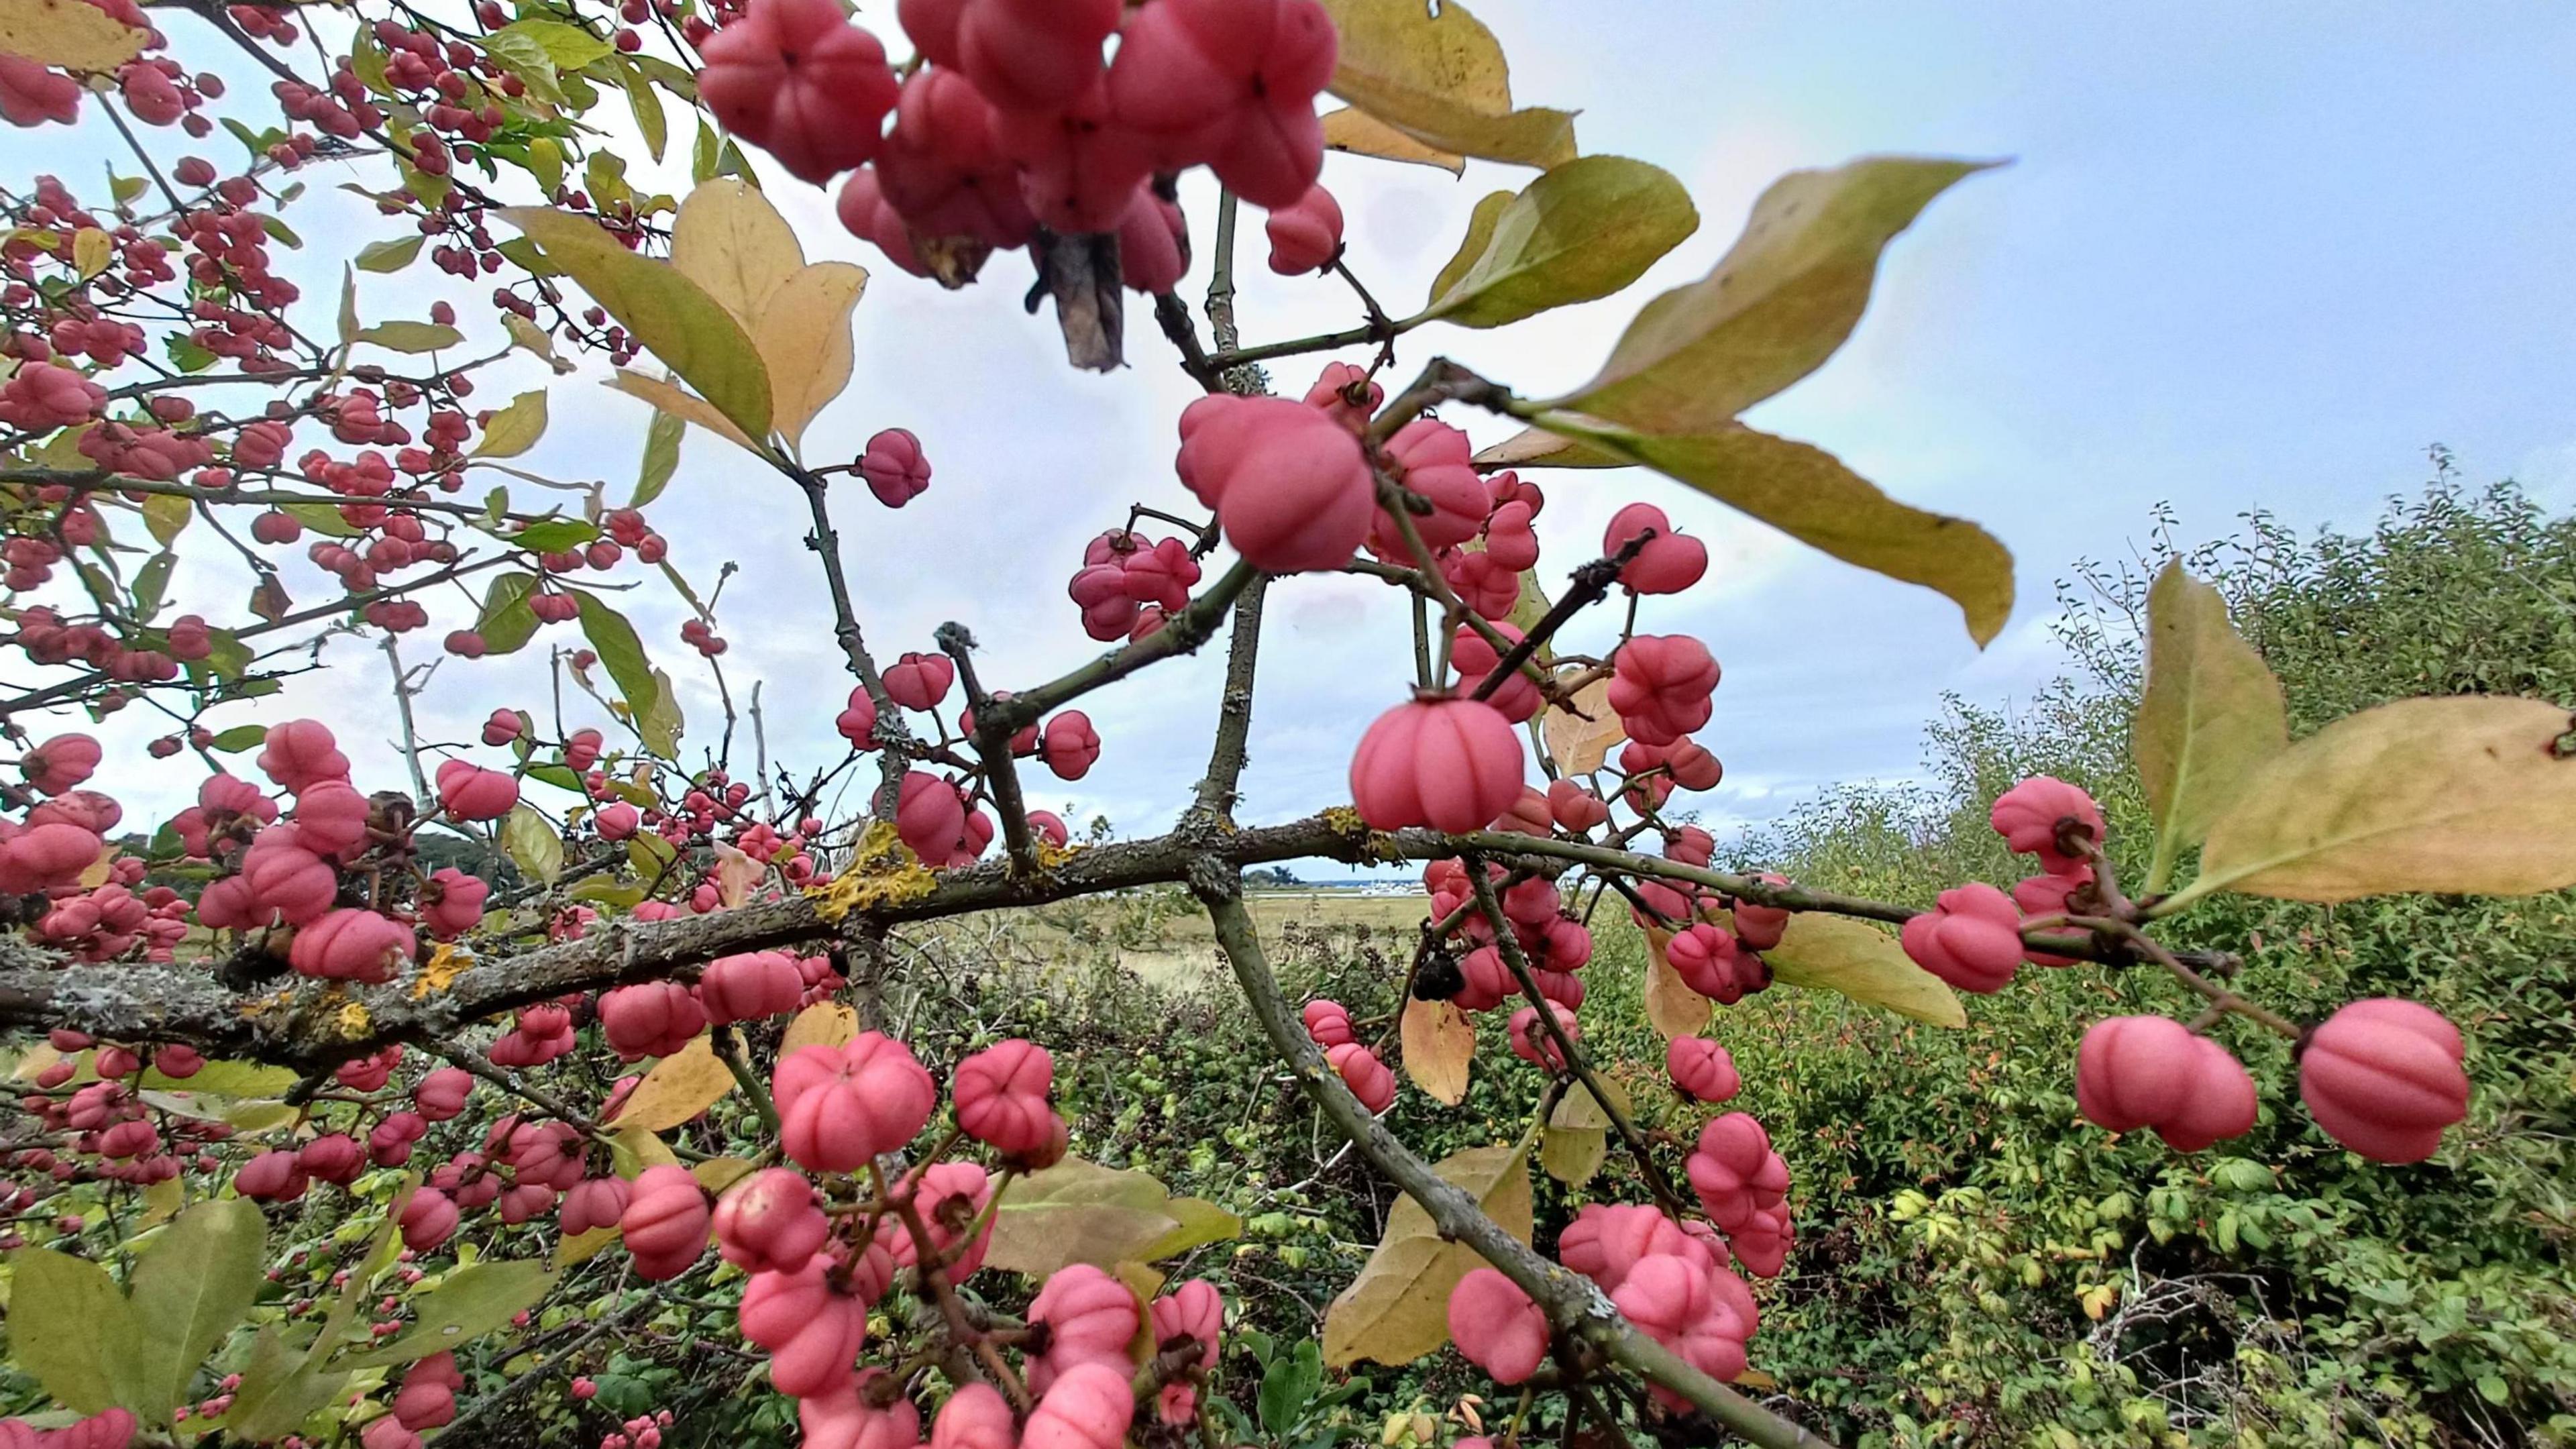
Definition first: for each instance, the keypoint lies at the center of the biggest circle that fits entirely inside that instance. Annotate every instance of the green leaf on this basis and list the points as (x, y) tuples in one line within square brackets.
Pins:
[(470, 1302), (390, 256), (2210, 716), (532, 843), (150, 581), (2471, 795), (412, 337), (669, 314), (661, 725), (507, 623), (1397, 1309), (650, 854), (1576, 1140), (647, 108), (279, 1390), (1807, 493), (516, 428), (84, 1354), (554, 535), (1585, 229), (569, 46), (241, 737), (661, 457), (1777, 305), (165, 517), (1861, 961), (702, 155), (524, 56), (1288, 1386), (198, 1281), (1442, 80), (322, 518), (622, 653), (546, 164)]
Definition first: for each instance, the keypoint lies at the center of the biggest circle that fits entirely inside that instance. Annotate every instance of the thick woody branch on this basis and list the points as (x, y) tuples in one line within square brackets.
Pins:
[(1573, 1304)]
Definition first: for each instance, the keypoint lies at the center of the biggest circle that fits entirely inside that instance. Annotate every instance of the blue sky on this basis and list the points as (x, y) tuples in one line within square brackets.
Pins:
[(2244, 256)]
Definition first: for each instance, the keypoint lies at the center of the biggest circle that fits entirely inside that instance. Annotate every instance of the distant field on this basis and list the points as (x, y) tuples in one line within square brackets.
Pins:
[(1165, 940)]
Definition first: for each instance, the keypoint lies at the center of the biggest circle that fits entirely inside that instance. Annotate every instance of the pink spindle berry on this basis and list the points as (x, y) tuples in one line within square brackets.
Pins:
[(839, 1107), (665, 1222), (353, 945), (300, 752), (2383, 1077), (812, 1327), (1328, 1023), (1451, 764), (975, 1417), (1497, 1326), (920, 681), (470, 792), (651, 1019), (1366, 1076), (749, 986), (1088, 1406), (1666, 563), (593, 1203), (1661, 686), (504, 726), (797, 79), (2148, 1071), (1001, 1095), (893, 465), (1290, 487), (1702, 1068), (1091, 1318), (1971, 939), (1070, 745), (2037, 815), (428, 1218), (1306, 235), (770, 1222)]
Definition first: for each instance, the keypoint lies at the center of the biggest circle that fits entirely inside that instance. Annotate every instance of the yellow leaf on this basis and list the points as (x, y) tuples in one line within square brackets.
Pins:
[(1672, 1008), (67, 33), (804, 339), (162, 1201), (1397, 1309), (1863, 962), (516, 428), (2210, 716), (1442, 80), (583, 1247), (1807, 493), (1755, 1379), (685, 406), (1576, 1140), (1583, 230), (2470, 795), (92, 250), (1539, 448), (1579, 744), (1355, 131), (729, 240), (1776, 306), (670, 315), (1082, 1212), (680, 1086), (1439, 1048), (718, 1173), (632, 1149), (825, 1023)]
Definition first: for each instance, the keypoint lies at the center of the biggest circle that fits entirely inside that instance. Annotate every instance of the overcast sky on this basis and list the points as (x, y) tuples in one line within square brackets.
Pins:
[(2244, 256)]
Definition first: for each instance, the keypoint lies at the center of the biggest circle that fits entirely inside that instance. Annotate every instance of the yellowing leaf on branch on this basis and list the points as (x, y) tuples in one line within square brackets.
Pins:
[(67, 33), (1576, 1140), (825, 1023), (2210, 716), (1775, 307), (1864, 962), (1539, 448), (732, 242), (1809, 494), (1355, 131), (1439, 1048), (1397, 1309), (2473, 795), (1583, 230), (516, 428), (804, 340), (1672, 1008), (1082, 1212), (1442, 80), (679, 1088), (673, 317), (1579, 739), (686, 406)]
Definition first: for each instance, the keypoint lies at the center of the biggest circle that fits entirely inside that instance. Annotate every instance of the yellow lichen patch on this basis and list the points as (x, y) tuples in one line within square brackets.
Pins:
[(440, 971), (856, 890), (1051, 855), (353, 1021)]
